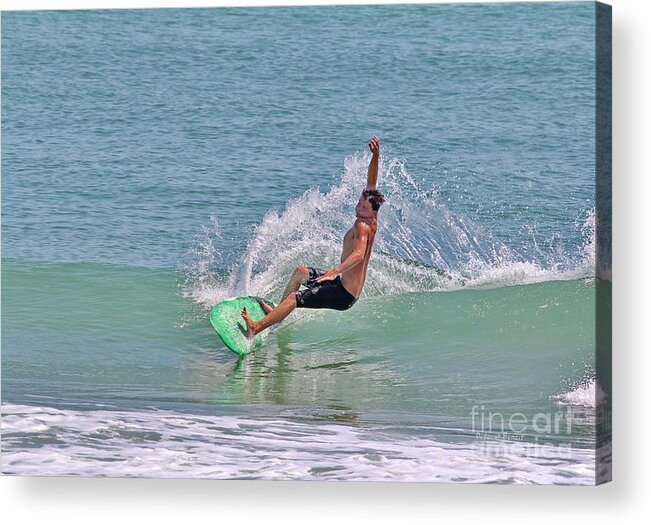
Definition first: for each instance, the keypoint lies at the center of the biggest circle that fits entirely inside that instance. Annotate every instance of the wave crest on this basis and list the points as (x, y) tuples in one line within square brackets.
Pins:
[(420, 246)]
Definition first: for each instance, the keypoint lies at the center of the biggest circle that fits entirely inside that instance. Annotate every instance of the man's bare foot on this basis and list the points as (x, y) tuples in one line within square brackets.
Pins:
[(251, 328), (266, 306)]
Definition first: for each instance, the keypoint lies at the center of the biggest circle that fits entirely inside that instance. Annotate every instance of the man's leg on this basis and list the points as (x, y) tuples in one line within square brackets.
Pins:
[(279, 313), (283, 309), (300, 276)]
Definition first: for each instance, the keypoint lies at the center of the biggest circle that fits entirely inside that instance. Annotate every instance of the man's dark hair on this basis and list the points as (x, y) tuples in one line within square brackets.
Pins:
[(375, 197)]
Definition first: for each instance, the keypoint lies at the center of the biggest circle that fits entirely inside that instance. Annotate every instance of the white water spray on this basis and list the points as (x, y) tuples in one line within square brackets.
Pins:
[(420, 246)]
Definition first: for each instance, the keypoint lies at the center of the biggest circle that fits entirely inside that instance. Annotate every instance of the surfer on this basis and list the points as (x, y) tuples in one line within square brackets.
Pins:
[(340, 287)]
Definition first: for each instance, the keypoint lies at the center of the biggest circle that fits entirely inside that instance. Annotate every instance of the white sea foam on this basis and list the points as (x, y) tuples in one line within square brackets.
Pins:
[(49, 441), (586, 394), (420, 246)]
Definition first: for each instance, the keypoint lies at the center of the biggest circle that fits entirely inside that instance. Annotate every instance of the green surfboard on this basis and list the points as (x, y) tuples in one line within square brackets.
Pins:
[(226, 318)]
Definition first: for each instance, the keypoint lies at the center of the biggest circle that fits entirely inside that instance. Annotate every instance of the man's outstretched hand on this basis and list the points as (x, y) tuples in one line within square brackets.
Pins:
[(374, 145)]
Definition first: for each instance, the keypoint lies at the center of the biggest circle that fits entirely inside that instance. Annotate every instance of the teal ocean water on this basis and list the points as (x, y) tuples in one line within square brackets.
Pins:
[(155, 162)]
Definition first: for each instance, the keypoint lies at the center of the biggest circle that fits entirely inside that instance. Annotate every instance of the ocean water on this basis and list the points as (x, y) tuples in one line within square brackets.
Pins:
[(157, 161)]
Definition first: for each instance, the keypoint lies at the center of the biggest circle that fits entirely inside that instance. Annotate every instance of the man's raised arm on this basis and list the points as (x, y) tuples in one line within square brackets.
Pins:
[(374, 146)]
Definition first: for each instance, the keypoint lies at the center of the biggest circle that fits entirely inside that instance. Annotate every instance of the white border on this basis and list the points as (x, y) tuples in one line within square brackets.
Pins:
[(74, 500)]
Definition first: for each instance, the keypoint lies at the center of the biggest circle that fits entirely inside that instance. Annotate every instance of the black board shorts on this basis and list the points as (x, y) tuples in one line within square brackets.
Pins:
[(326, 294)]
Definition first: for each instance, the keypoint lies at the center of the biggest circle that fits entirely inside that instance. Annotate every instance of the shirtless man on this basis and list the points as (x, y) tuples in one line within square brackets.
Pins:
[(339, 288)]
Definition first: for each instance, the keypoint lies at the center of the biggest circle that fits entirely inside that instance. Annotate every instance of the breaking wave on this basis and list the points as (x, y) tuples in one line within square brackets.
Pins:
[(420, 246)]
